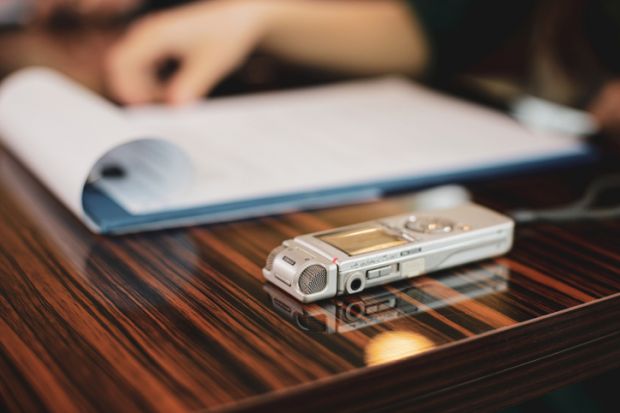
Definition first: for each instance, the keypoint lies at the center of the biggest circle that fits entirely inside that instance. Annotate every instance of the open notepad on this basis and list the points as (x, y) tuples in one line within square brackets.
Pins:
[(124, 170)]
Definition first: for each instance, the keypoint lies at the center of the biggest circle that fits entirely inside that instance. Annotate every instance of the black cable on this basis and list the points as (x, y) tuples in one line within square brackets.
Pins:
[(579, 210)]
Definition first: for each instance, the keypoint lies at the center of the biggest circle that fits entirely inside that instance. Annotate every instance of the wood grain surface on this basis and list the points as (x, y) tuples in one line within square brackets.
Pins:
[(182, 320)]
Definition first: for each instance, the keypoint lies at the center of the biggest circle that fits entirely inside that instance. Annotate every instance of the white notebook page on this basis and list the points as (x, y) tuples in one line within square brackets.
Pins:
[(344, 134), (241, 148)]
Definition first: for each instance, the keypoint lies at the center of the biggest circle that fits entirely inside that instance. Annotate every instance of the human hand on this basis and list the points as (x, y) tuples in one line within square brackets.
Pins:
[(208, 39), (606, 108)]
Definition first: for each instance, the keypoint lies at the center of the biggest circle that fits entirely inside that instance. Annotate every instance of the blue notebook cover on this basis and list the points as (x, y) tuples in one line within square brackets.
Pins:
[(111, 218), (268, 153)]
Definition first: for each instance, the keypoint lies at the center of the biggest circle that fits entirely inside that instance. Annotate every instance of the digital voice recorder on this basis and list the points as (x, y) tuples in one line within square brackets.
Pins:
[(350, 259)]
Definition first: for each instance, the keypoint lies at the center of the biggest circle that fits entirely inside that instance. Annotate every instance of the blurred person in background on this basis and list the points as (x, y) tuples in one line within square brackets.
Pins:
[(212, 38), (567, 48), (427, 39)]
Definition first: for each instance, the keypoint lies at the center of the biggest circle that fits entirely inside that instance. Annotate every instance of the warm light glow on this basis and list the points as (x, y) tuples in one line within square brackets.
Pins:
[(395, 345)]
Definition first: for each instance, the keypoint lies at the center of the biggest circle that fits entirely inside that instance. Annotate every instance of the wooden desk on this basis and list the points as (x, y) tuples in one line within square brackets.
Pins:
[(181, 320)]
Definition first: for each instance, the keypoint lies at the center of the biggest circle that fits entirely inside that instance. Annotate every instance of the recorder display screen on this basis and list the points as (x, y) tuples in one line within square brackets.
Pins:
[(361, 240)]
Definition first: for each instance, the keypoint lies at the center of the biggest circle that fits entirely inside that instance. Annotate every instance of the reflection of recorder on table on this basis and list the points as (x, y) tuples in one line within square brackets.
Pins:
[(384, 304), (350, 259)]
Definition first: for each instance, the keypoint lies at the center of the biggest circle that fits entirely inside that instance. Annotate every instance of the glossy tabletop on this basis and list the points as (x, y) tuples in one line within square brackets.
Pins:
[(182, 320)]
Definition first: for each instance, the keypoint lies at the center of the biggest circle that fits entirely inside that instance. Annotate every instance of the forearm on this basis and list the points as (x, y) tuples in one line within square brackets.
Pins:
[(212, 38), (364, 37)]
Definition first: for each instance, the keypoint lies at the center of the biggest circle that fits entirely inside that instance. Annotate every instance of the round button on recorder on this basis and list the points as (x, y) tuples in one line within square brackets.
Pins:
[(432, 225)]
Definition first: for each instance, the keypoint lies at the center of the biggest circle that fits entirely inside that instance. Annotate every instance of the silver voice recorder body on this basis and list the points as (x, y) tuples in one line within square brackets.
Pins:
[(350, 259)]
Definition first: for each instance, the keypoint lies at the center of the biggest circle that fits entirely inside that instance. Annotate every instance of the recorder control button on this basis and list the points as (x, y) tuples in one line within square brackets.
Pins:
[(430, 225), (385, 271), (372, 274), (379, 272)]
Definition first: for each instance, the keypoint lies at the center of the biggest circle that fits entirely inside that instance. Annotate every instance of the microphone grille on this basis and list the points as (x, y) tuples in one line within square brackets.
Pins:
[(313, 279)]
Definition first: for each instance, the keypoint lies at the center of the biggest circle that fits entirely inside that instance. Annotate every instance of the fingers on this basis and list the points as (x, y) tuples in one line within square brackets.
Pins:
[(189, 83), (606, 107), (130, 76), (199, 72), (131, 66), (208, 40)]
